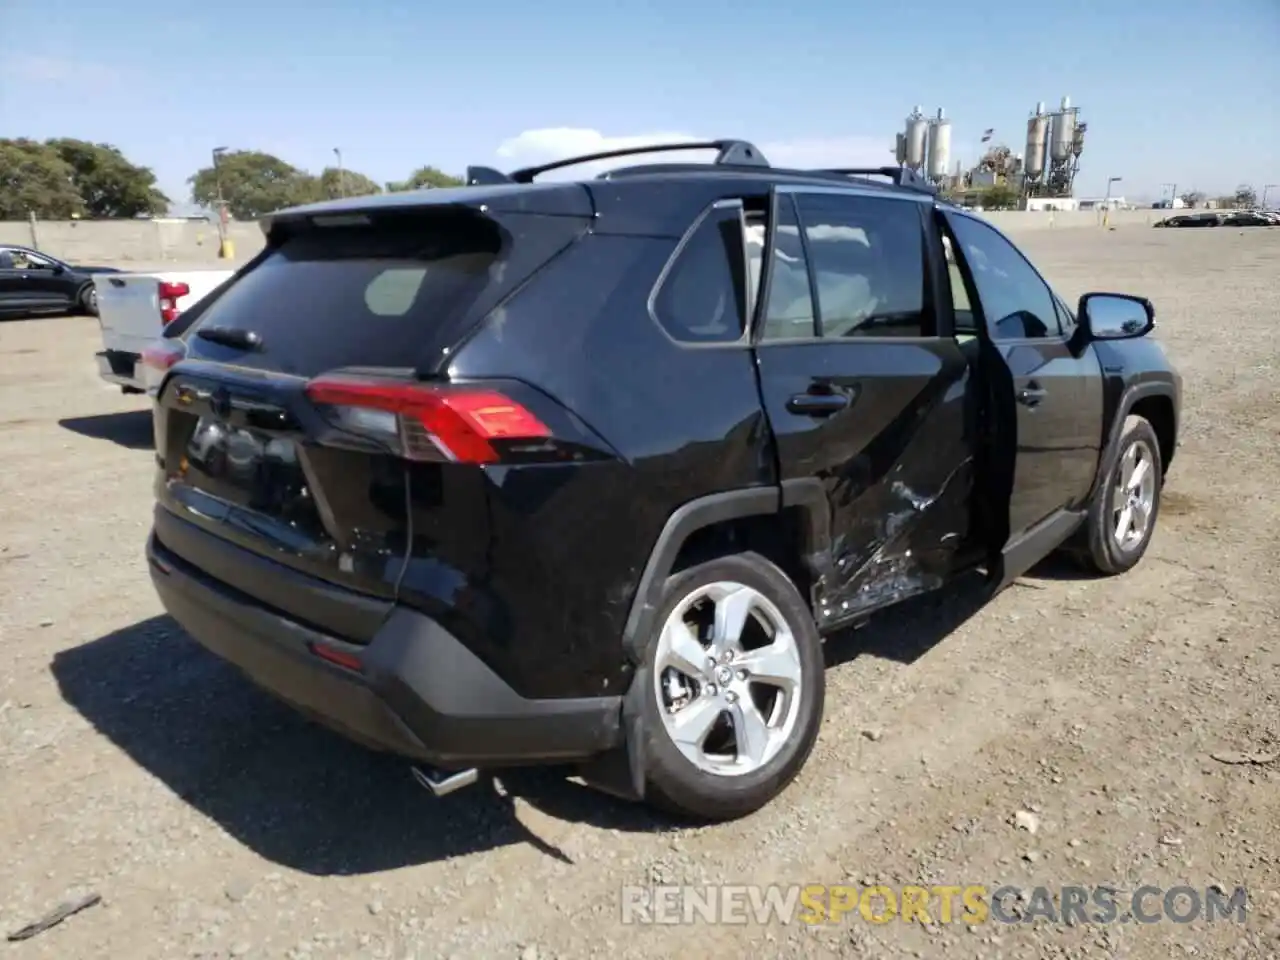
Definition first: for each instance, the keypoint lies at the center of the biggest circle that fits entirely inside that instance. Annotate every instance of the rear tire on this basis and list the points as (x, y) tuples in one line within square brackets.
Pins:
[(722, 740), (1122, 515), (88, 300)]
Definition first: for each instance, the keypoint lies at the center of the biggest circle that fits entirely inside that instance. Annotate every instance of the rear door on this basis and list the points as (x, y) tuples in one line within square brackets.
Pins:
[(866, 397), (1047, 409), (286, 430)]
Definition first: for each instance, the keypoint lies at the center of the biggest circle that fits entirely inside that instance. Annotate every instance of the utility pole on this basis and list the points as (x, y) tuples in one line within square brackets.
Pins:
[(1106, 204), (342, 177), (225, 249)]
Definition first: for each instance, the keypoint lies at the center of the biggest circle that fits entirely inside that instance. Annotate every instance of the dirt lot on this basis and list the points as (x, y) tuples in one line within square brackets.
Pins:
[(214, 823)]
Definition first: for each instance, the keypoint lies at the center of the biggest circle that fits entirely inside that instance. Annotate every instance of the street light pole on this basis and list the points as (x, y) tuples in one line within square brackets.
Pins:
[(225, 251), (342, 177), (1106, 204)]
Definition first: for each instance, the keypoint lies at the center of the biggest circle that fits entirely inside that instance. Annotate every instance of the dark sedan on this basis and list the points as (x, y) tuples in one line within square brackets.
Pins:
[(32, 283), (1193, 220), (1251, 218)]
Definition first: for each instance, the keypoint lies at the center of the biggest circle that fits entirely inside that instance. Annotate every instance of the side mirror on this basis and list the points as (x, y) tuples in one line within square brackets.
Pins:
[(1115, 316), (58, 268)]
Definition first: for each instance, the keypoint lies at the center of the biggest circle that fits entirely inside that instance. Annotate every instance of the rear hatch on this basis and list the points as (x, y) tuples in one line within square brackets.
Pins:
[(288, 428)]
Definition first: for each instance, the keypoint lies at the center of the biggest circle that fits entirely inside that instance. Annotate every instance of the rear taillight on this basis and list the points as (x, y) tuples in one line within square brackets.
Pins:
[(161, 356), (426, 421), (170, 294)]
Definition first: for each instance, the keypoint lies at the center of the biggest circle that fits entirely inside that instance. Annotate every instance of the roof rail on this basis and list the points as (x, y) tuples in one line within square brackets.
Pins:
[(903, 177), (728, 153)]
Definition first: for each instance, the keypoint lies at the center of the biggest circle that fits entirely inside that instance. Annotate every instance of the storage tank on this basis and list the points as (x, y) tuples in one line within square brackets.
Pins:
[(917, 130), (1062, 132), (1037, 142), (939, 147)]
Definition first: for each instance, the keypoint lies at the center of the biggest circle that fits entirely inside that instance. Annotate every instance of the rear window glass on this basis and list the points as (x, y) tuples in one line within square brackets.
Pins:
[(703, 297), (355, 296)]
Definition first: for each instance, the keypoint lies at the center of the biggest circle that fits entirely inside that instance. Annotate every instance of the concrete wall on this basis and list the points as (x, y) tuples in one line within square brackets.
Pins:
[(126, 242)]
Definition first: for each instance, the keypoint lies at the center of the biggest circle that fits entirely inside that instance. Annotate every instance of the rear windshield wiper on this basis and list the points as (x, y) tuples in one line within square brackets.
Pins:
[(230, 337)]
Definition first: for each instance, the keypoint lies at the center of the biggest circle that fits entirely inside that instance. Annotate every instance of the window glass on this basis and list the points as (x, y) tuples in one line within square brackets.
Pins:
[(23, 260), (702, 298), (965, 323), (365, 296), (1016, 302), (868, 263), (789, 312), (1066, 321)]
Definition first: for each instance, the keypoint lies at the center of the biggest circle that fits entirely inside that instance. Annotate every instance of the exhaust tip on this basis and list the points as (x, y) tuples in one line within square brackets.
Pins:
[(441, 783)]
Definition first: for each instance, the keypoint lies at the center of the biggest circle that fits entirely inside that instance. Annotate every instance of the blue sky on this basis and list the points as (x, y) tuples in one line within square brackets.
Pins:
[(1173, 90)]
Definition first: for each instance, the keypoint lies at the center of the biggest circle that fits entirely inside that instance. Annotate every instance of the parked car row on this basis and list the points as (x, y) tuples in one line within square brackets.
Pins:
[(1223, 218)]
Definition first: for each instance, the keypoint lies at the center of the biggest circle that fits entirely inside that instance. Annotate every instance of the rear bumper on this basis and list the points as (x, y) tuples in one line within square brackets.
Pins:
[(419, 692), (119, 367)]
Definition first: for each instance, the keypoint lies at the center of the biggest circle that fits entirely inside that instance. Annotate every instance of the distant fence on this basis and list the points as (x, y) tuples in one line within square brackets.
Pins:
[(108, 242)]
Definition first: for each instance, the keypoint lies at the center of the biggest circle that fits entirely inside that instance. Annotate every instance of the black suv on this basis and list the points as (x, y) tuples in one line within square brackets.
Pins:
[(581, 472)]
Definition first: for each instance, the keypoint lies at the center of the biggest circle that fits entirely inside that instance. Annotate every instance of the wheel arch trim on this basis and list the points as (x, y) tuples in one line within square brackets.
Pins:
[(1128, 400)]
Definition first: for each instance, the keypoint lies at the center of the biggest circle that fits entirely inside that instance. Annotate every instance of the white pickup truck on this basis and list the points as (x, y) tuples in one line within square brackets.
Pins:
[(134, 309)]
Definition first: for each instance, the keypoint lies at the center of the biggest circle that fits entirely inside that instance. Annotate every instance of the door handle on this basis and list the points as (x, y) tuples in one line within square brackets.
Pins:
[(817, 404), (1031, 395)]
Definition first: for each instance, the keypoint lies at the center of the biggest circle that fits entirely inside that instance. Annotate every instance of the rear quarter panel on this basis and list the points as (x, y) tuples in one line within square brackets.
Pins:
[(550, 556)]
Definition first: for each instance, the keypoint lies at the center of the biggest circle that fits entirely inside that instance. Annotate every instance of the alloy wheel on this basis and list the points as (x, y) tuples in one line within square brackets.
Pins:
[(728, 677), (1134, 495)]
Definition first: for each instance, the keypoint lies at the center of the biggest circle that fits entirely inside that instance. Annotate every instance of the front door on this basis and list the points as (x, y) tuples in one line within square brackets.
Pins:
[(43, 279), (1047, 401), (866, 401)]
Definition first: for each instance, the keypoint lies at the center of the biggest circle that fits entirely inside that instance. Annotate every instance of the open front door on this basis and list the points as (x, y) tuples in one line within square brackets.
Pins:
[(1044, 404)]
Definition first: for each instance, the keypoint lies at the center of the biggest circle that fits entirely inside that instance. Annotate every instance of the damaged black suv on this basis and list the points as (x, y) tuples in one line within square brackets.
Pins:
[(581, 472)]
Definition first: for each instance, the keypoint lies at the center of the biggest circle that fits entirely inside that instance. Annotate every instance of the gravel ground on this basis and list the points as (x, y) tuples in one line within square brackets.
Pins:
[(214, 823)]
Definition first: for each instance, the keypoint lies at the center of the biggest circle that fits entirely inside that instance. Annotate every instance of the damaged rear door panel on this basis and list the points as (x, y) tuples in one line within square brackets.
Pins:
[(870, 404)]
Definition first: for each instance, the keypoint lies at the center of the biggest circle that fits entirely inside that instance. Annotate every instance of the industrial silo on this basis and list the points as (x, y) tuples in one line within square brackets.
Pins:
[(1037, 143), (939, 147), (917, 132), (1062, 132)]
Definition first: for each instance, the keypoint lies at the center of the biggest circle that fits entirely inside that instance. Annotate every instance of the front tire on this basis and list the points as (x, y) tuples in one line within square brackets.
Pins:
[(731, 689), (1122, 516), (88, 300)]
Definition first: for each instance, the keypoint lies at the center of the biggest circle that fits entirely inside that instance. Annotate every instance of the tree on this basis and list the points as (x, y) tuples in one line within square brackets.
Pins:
[(349, 184), (35, 180), (425, 178), (107, 182), (253, 184), (999, 197), (1246, 197), (1193, 198)]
